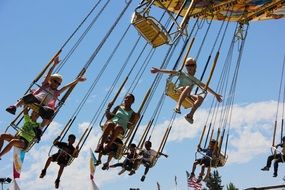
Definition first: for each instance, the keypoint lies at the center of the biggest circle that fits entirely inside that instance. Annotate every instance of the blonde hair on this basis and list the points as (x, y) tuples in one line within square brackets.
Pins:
[(190, 59), (56, 76)]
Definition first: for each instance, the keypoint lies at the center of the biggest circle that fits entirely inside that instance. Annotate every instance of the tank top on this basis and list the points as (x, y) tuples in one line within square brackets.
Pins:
[(122, 117), (47, 94)]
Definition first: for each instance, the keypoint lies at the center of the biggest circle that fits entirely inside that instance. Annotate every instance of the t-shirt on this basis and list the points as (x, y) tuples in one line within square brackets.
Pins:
[(185, 79), (283, 148), (66, 148), (148, 155), (27, 131)]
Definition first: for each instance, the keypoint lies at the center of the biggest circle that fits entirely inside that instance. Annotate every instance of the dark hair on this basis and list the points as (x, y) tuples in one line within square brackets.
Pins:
[(133, 145), (148, 142), (283, 138), (129, 94), (72, 136)]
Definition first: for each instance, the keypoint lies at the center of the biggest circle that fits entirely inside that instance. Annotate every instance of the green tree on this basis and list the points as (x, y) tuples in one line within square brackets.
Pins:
[(214, 181), (231, 187)]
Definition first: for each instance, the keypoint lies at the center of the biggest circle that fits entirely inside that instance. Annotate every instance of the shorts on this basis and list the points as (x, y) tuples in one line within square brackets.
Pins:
[(25, 141), (61, 160), (205, 161), (30, 99), (146, 163), (128, 165), (44, 111)]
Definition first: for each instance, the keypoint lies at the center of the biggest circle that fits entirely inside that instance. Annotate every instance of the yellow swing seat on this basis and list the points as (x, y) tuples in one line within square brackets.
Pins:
[(150, 29), (174, 94), (35, 107)]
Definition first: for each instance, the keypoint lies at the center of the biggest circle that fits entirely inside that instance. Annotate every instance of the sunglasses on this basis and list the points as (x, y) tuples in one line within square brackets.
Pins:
[(191, 65), (56, 82)]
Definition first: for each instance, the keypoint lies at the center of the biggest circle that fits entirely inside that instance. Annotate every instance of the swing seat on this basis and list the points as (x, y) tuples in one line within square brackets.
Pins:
[(219, 161), (118, 155), (70, 161), (71, 157), (174, 94), (35, 107), (30, 145), (150, 29)]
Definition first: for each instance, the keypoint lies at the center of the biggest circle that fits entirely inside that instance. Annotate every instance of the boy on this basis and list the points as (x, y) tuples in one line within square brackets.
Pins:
[(128, 163), (62, 157), (146, 157), (278, 158), (206, 160), (24, 136)]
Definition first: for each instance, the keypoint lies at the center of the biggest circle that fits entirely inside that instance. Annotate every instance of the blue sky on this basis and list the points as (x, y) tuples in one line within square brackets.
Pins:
[(32, 31)]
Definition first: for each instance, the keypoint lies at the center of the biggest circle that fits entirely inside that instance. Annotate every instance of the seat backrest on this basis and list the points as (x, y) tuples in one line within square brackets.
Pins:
[(150, 29)]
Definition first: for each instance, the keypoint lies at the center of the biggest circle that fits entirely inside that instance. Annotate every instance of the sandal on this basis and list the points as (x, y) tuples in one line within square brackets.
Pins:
[(177, 110), (105, 166)]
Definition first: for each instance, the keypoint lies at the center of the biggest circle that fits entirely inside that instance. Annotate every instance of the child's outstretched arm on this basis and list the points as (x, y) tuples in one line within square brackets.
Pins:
[(218, 96), (155, 70), (79, 79), (160, 153), (55, 62)]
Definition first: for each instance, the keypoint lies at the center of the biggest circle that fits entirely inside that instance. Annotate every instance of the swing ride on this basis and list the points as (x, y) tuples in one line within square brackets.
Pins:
[(179, 26), (241, 11)]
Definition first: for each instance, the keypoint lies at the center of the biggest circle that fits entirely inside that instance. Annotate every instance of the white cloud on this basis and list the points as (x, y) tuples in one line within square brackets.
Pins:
[(247, 146)]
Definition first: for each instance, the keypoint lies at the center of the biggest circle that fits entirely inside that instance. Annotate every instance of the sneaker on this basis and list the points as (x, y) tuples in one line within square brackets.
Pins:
[(98, 163), (143, 178), (11, 109), (265, 168), (122, 171), (43, 173), (132, 172), (56, 183), (189, 119), (105, 166), (274, 175)]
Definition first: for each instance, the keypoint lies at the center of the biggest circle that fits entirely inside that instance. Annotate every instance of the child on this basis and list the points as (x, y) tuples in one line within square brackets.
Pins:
[(278, 158), (206, 160), (24, 136), (146, 157), (128, 163), (111, 151), (46, 95), (62, 157), (186, 83)]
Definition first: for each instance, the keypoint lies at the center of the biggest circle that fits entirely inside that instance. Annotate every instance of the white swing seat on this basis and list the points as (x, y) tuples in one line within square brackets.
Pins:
[(150, 29)]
